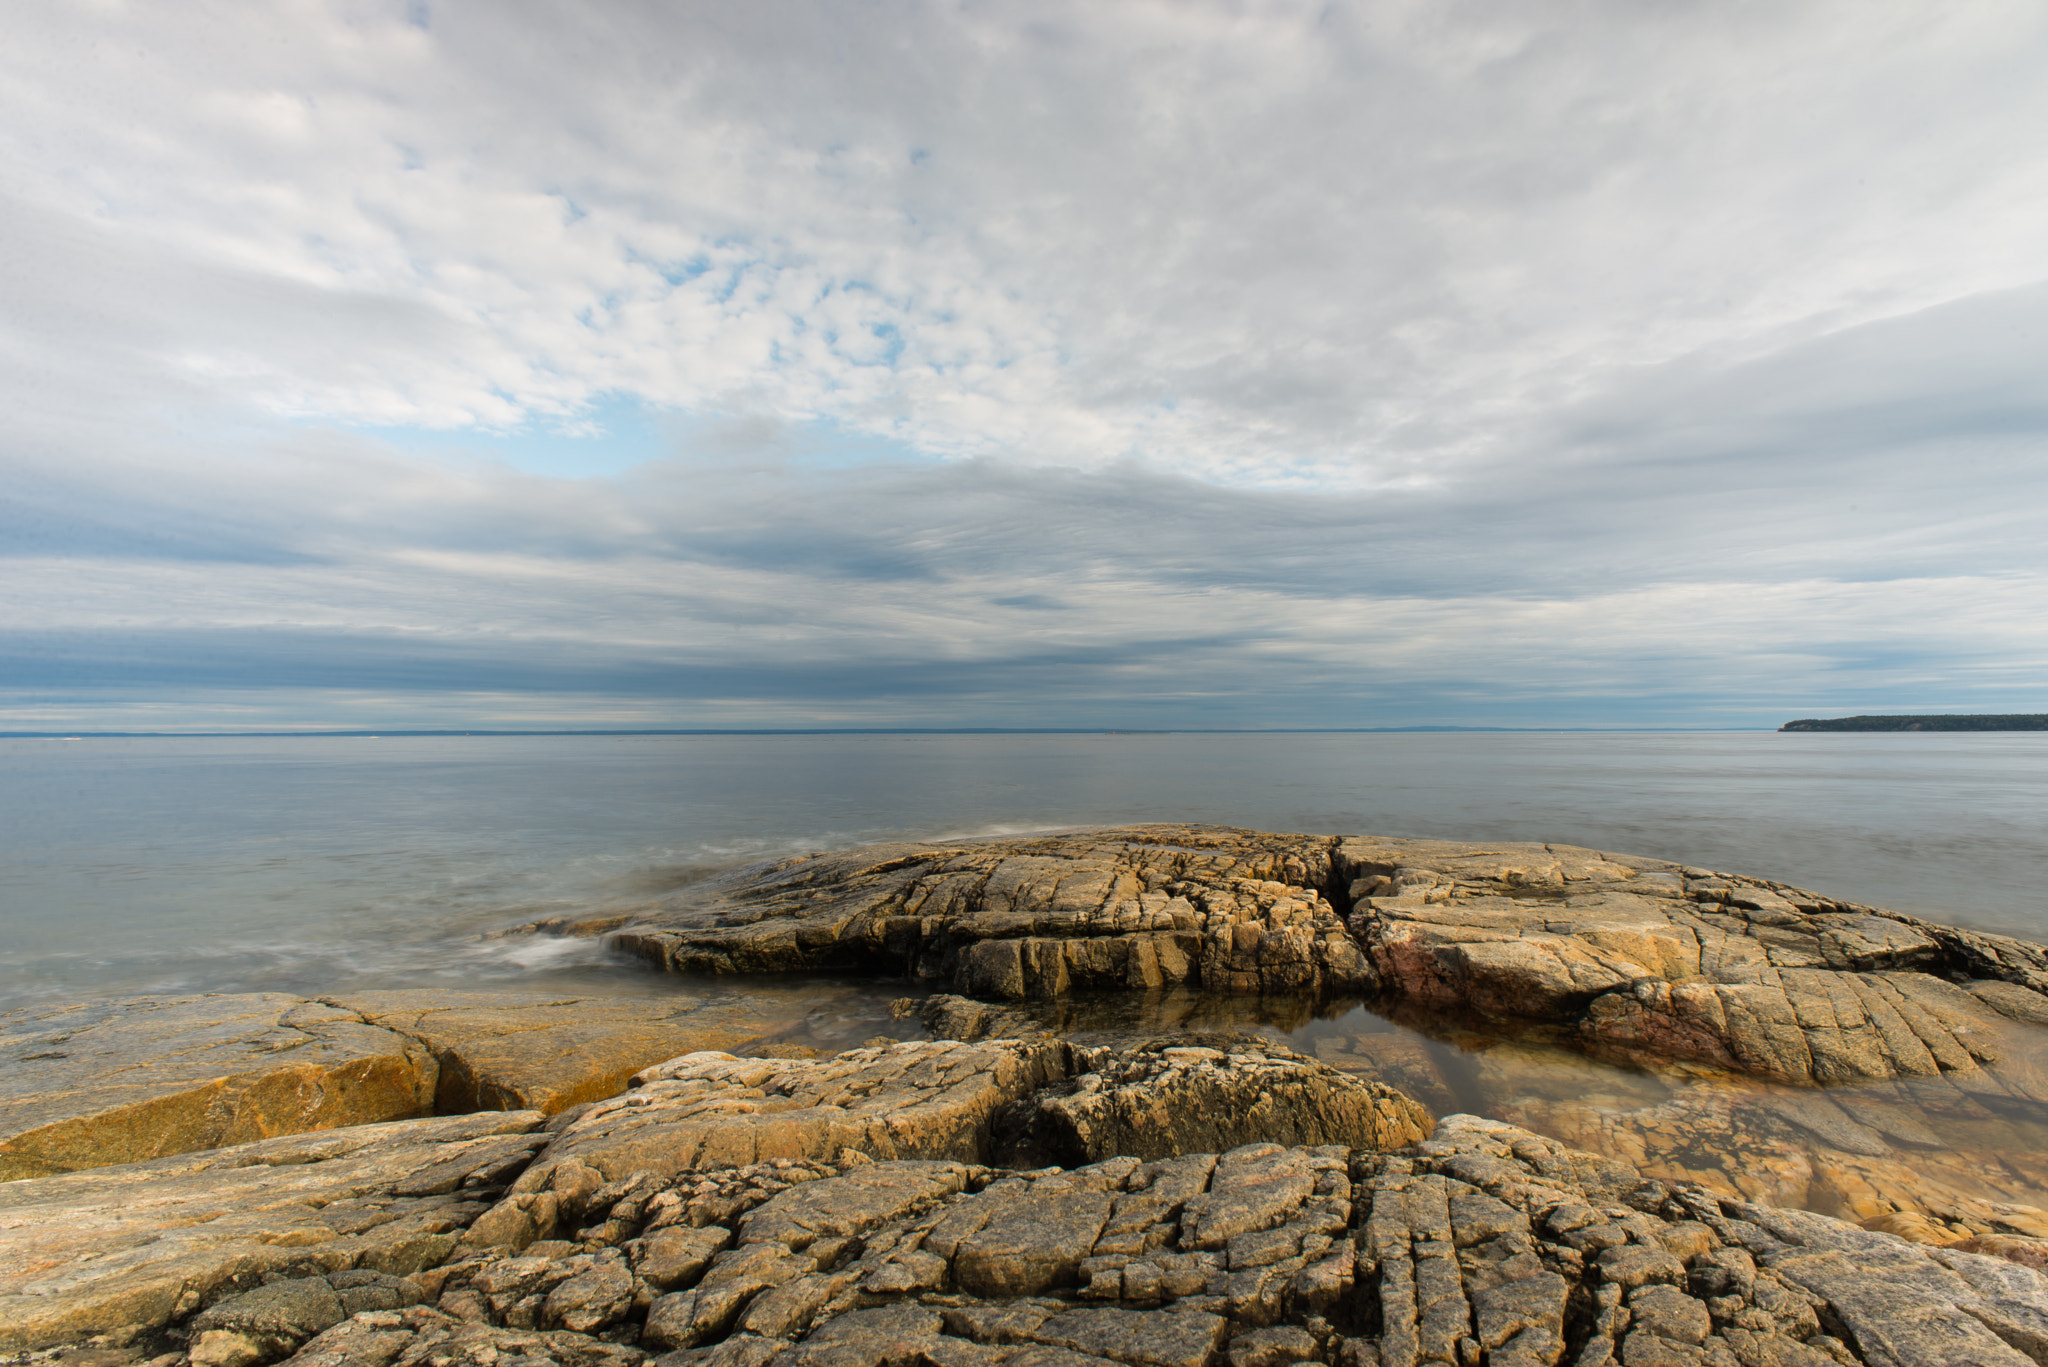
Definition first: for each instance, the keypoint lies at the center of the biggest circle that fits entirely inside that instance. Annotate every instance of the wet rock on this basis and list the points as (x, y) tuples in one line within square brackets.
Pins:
[(512, 1052), (124, 1081), (962, 1018)]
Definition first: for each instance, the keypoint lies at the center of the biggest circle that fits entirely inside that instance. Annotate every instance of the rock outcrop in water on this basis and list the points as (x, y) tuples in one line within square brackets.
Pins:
[(1147, 907), (1668, 962), (1641, 956)]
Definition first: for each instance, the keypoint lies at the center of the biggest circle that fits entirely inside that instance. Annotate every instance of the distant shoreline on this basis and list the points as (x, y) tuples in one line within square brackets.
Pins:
[(2012, 721)]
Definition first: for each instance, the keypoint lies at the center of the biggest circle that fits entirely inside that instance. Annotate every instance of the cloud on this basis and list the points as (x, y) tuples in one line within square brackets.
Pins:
[(1257, 364)]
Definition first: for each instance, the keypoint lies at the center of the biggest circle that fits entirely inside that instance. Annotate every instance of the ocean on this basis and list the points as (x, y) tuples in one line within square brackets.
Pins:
[(320, 865), (323, 864)]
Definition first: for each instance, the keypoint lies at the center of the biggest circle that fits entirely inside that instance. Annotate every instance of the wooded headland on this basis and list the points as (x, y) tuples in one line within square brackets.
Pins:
[(2019, 721)]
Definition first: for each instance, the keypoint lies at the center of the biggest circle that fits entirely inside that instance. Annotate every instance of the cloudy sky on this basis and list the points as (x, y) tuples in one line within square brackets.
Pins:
[(870, 363)]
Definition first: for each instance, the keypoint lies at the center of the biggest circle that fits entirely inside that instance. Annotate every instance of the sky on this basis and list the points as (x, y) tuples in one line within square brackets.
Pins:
[(877, 364)]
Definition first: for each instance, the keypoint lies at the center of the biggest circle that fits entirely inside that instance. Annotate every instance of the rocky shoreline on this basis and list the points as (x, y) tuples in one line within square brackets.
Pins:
[(405, 1179)]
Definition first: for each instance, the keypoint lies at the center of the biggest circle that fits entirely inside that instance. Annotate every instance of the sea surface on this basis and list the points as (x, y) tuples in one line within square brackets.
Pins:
[(323, 864)]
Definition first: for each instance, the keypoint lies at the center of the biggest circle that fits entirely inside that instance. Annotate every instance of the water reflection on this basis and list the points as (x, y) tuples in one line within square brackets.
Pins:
[(1938, 1159)]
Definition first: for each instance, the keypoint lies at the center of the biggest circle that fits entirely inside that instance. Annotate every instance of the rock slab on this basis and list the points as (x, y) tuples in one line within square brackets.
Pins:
[(123, 1081), (1133, 908), (129, 1080), (499, 1051), (142, 1244)]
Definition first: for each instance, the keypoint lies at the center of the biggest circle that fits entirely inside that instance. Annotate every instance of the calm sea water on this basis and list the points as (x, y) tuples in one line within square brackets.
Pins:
[(315, 865)]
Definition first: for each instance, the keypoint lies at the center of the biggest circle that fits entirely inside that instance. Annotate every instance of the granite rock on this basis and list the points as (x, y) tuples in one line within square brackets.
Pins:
[(129, 1248), (140, 1078), (1655, 961), (499, 1051), (925, 1099), (1203, 1094), (1643, 958), (633, 1186), (1136, 908), (1484, 1246), (118, 1082)]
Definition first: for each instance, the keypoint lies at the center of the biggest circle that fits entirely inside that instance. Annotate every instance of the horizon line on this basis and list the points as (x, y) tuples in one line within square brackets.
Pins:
[(376, 734)]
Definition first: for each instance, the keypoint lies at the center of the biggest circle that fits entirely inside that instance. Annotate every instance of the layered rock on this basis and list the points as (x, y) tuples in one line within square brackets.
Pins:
[(1642, 957), (129, 1080), (1138, 908), (1923, 1157), (143, 1244), (1664, 962), (935, 1099), (500, 1051), (1483, 1245), (1031, 1101), (139, 1246), (117, 1082), (1486, 1245), (1202, 1094)]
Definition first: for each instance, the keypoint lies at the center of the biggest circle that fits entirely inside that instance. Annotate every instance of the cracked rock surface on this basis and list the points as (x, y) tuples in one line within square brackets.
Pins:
[(1175, 1096), (148, 1243), (442, 1242), (1483, 1245), (140, 1246), (1658, 961), (1141, 907), (501, 1051)]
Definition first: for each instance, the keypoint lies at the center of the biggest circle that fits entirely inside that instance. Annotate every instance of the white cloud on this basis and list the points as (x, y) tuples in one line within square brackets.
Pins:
[(1284, 362), (1255, 243)]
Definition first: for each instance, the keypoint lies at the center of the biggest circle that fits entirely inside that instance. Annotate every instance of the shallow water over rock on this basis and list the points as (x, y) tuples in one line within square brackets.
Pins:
[(1921, 1157)]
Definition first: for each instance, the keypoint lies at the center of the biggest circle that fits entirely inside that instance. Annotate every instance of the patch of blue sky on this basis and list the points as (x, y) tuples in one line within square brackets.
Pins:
[(619, 432), (606, 438)]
